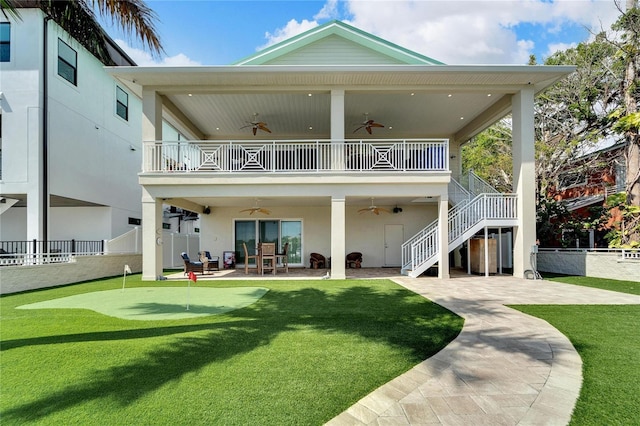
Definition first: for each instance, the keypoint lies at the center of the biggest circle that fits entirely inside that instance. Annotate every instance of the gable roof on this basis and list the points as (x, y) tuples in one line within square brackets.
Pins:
[(336, 43)]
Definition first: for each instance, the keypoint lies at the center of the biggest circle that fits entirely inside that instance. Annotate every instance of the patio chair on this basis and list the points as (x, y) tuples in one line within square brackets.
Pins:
[(255, 257), (211, 263), (354, 260), (268, 254), (189, 266), (283, 258), (316, 260)]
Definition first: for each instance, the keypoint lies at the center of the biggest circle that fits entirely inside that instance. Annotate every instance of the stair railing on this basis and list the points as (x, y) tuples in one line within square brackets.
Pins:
[(462, 218)]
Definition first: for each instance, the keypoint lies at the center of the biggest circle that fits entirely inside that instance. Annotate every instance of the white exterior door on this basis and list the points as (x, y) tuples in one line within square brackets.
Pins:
[(393, 239)]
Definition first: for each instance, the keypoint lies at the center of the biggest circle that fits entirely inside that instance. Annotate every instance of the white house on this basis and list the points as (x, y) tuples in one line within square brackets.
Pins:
[(70, 137), (279, 150)]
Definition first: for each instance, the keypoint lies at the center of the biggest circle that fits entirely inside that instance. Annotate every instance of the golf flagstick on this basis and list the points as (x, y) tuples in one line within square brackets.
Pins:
[(192, 277), (127, 270)]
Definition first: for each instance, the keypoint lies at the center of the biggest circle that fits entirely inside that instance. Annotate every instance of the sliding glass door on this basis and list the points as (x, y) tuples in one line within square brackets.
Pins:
[(280, 232)]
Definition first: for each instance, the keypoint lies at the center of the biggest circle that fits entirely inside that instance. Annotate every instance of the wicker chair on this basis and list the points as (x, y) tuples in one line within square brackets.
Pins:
[(211, 263), (189, 266), (354, 260), (316, 260)]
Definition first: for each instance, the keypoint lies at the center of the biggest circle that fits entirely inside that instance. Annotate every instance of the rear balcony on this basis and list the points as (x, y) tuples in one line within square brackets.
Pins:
[(297, 156)]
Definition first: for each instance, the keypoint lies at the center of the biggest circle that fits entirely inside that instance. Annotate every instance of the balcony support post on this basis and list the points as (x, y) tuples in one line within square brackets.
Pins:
[(338, 236), (443, 237), (524, 179), (337, 129), (151, 237)]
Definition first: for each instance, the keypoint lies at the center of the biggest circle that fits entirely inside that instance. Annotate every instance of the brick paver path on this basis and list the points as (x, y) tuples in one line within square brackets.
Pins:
[(505, 367)]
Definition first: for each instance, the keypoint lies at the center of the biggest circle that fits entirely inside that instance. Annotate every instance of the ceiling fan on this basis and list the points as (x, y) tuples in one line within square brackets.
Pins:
[(255, 124), (256, 208), (367, 124), (373, 209)]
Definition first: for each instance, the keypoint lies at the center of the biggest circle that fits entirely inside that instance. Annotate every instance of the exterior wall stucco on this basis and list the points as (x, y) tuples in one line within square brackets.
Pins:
[(364, 232), (82, 268), (590, 264)]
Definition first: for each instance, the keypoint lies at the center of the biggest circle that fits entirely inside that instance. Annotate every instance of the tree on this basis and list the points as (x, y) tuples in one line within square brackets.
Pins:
[(77, 17), (489, 156), (628, 116), (574, 116)]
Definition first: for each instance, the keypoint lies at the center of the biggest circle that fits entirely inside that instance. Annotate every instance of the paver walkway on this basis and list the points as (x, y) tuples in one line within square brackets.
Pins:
[(505, 367)]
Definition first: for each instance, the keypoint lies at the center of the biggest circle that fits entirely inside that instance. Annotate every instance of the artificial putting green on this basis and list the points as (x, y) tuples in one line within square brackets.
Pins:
[(158, 303)]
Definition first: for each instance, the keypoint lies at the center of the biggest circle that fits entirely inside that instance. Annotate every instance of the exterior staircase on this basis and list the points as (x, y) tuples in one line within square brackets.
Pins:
[(469, 214)]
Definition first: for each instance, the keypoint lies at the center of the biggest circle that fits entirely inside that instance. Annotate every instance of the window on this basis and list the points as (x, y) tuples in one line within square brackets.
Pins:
[(122, 103), (67, 62), (5, 41), (572, 179)]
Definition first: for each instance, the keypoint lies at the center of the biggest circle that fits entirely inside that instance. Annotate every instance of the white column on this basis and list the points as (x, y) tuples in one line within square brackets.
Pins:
[(443, 237), (338, 232), (151, 237), (151, 207), (486, 251), (337, 129), (34, 212), (337, 115), (34, 176), (524, 179)]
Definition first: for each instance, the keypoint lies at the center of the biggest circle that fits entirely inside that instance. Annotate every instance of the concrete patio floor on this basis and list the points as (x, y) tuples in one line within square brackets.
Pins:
[(504, 368)]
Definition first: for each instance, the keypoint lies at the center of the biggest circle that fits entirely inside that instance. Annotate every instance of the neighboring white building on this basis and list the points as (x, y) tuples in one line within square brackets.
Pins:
[(317, 179), (58, 103)]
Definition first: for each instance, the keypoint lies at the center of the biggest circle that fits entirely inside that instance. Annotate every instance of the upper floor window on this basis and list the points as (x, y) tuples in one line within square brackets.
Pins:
[(67, 63), (122, 103), (5, 41)]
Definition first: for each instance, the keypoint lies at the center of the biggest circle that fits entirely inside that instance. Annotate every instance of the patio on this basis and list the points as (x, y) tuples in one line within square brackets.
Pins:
[(312, 274)]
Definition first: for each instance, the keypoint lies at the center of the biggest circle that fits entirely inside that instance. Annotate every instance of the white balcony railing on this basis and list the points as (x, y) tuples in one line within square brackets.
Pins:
[(296, 156)]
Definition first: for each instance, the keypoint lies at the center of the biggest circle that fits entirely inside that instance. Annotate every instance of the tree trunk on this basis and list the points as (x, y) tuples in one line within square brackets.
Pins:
[(630, 83)]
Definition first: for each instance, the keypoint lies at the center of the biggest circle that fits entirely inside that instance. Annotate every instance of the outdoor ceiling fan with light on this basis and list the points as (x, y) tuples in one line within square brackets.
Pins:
[(255, 124), (256, 208), (367, 124), (373, 209)]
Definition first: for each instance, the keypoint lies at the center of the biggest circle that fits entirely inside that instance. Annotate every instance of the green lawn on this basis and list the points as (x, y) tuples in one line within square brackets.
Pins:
[(607, 337), (631, 287), (300, 355)]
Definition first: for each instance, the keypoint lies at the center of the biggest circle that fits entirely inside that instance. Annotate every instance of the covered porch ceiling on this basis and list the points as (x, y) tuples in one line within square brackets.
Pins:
[(301, 201), (411, 101)]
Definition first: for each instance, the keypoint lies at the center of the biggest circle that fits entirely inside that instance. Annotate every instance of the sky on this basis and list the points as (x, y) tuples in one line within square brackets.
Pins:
[(217, 32)]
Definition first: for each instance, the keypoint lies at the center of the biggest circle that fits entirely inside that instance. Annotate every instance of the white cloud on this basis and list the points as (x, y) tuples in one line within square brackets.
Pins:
[(143, 58), (477, 31), (292, 28), (328, 11), (469, 31), (557, 47)]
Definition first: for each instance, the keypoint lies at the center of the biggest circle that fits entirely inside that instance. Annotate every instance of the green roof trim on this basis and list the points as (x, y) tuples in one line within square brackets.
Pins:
[(340, 29)]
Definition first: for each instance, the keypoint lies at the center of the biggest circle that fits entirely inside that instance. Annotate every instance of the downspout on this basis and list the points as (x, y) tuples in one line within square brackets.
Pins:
[(45, 137)]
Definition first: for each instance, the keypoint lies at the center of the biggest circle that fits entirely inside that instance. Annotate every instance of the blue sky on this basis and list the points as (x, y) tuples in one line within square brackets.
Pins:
[(216, 32)]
